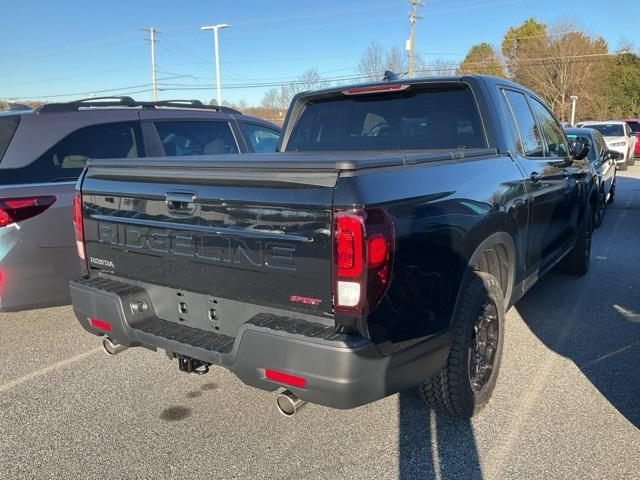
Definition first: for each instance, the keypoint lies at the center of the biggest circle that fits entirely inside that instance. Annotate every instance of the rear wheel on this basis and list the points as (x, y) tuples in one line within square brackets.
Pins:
[(577, 261), (463, 387), (600, 210), (612, 192)]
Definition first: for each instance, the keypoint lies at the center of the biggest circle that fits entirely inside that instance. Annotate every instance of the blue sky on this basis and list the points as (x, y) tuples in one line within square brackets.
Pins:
[(74, 47)]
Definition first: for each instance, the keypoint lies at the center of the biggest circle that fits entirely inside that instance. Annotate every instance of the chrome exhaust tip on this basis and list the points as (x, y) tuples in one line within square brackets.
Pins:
[(111, 347), (288, 403)]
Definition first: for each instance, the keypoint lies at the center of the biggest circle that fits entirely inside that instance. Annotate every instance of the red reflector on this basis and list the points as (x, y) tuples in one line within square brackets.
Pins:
[(101, 324), (376, 250), (375, 89), (285, 378)]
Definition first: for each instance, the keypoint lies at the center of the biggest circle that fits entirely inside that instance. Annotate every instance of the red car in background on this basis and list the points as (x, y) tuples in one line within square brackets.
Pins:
[(634, 125)]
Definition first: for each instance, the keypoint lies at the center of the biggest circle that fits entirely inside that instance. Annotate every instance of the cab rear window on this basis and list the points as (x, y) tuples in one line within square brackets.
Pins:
[(416, 118)]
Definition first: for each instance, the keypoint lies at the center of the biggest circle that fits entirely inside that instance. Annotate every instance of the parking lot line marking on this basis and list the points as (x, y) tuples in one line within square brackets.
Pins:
[(628, 314), (48, 369), (609, 355)]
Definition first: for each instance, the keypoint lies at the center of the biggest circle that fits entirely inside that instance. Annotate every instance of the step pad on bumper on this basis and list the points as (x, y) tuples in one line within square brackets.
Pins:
[(296, 326), (187, 335)]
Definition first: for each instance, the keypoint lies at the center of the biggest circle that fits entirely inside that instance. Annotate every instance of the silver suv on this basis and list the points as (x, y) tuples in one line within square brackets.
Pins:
[(43, 151)]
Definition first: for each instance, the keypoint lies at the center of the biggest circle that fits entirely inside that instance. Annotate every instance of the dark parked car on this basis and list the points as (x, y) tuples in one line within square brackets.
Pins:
[(376, 251), (43, 151), (603, 162)]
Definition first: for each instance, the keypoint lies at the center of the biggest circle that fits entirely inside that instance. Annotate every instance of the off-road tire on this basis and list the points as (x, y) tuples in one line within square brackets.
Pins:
[(452, 391)]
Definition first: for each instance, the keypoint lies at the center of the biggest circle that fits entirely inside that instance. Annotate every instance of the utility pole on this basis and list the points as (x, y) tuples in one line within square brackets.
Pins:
[(413, 17), (152, 40), (574, 99), (215, 29)]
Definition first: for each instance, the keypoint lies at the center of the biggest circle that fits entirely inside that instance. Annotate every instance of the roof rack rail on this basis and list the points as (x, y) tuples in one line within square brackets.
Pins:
[(128, 102), (190, 104), (88, 102)]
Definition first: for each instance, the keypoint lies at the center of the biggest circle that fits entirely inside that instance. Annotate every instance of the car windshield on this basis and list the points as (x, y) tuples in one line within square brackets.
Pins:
[(416, 118), (608, 129)]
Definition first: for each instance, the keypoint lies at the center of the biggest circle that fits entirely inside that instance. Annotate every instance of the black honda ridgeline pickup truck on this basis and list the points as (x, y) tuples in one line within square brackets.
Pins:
[(377, 250)]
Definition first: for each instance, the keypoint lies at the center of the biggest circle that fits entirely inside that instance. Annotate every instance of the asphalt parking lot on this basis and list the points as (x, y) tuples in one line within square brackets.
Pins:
[(567, 404)]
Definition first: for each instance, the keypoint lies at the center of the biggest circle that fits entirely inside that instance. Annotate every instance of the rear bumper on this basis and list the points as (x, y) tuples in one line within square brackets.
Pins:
[(340, 371)]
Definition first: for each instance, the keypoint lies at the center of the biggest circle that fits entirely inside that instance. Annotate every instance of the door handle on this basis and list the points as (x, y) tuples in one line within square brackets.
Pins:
[(181, 202), (535, 177)]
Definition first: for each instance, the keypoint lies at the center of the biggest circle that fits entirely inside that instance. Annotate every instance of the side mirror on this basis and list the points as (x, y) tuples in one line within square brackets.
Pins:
[(613, 155), (579, 148)]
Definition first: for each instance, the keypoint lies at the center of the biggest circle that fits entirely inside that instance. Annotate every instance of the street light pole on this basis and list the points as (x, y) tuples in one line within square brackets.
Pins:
[(216, 50), (574, 99)]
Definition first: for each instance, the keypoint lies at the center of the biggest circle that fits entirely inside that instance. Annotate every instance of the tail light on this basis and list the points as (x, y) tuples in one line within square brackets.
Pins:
[(79, 226), (364, 242), (14, 210)]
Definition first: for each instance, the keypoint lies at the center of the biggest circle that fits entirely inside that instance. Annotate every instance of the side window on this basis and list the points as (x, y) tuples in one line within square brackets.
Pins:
[(65, 160), (602, 146), (262, 139), (196, 138), (556, 141), (8, 126), (530, 144)]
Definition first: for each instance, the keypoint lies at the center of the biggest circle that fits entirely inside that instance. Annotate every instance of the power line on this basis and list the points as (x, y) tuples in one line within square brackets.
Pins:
[(570, 59)]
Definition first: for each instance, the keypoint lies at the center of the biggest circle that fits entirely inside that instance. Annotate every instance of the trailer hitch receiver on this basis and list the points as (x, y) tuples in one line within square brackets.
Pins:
[(192, 365)]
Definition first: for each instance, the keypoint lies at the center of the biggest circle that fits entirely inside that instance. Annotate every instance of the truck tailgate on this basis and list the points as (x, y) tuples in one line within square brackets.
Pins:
[(256, 236)]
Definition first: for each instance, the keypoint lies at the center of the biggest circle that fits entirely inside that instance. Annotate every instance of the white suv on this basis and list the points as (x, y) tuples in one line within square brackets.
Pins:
[(619, 137)]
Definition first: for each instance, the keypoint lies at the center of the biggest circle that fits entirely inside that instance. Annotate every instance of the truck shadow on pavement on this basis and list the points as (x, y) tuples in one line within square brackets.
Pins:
[(433, 445), (595, 320)]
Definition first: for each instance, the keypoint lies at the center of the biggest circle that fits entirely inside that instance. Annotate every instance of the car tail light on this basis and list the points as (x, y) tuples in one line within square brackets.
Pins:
[(286, 378), (364, 242), (13, 210), (78, 224)]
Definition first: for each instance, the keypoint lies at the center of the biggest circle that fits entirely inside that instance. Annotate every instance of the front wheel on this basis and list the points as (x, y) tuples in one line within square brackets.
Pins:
[(632, 159), (463, 387), (623, 166)]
